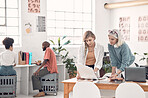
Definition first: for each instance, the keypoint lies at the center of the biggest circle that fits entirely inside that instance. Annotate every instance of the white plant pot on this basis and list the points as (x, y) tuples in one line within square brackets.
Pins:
[(59, 59)]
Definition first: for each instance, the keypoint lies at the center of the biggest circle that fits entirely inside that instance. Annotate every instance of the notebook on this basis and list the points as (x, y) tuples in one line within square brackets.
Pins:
[(86, 72), (136, 74)]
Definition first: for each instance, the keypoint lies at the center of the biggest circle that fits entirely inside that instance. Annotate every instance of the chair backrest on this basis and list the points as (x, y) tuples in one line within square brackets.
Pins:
[(129, 90), (86, 90)]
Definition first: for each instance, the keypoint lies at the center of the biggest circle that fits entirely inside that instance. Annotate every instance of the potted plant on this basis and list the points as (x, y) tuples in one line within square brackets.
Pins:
[(107, 65), (58, 49), (70, 66), (143, 57)]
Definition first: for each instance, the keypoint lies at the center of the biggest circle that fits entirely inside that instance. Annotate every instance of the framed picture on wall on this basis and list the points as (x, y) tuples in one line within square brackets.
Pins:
[(28, 28), (143, 28), (41, 24), (124, 27), (34, 6)]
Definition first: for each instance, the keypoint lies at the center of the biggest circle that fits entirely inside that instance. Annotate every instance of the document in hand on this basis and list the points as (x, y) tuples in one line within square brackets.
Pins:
[(86, 72)]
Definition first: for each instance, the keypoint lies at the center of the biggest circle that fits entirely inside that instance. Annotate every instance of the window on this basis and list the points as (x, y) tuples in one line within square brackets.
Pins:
[(68, 17), (2, 12), (12, 25)]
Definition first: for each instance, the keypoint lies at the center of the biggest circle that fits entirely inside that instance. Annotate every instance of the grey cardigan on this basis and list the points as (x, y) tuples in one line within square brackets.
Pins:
[(121, 56)]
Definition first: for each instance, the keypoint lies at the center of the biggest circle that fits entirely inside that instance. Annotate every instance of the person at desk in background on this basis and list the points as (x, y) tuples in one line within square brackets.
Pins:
[(49, 65), (119, 52), (8, 58), (90, 53)]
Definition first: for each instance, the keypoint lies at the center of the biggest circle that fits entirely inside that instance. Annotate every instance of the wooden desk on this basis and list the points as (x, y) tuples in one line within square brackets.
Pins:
[(101, 84)]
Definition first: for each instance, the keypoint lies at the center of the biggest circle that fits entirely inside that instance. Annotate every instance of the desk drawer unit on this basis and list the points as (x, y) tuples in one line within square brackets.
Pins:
[(7, 86), (50, 83)]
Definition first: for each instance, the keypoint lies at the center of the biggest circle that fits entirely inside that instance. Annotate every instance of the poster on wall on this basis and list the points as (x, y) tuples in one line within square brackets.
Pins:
[(143, 28), (41, 24), (34, 6), (124, 27), (28, 27)]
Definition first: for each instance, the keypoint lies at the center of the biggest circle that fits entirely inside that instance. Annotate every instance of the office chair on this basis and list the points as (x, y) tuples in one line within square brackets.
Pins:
[(86, 90), (129, 90)]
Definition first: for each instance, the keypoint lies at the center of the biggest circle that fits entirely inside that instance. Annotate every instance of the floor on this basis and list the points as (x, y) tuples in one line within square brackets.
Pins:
[(104, 94), (59, 95)]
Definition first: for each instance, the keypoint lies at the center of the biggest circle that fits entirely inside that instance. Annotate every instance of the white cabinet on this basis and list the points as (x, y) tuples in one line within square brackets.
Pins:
[(61, 70)]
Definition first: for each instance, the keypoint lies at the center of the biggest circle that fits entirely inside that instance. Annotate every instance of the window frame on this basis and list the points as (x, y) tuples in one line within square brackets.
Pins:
[(83, 29), (5, 24), (18, 36)]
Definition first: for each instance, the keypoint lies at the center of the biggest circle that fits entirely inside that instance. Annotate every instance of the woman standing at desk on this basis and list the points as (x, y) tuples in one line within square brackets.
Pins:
[(90, 53), (119, 52)]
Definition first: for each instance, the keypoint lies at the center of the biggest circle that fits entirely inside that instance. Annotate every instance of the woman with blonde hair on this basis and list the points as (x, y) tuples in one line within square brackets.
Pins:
[(119, 52), (90, 53)]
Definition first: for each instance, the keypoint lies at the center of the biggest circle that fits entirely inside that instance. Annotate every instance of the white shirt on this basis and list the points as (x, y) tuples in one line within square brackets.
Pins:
[(98, 51), (8, 58)]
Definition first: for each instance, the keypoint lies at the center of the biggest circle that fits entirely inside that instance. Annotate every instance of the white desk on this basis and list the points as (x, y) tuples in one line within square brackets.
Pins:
[(24, 77)]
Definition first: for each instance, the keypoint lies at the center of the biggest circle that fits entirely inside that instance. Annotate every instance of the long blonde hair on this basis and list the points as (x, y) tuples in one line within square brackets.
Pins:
[(85, 36)]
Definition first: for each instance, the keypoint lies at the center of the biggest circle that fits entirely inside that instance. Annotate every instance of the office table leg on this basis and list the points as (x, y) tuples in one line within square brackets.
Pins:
[(66, 90)]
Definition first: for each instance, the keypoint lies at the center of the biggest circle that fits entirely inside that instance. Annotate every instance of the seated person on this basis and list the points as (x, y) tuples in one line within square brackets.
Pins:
[(8, 58), (49, 65)]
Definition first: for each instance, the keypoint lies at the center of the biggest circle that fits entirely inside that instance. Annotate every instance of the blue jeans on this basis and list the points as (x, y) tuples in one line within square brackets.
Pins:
[(7, 71)]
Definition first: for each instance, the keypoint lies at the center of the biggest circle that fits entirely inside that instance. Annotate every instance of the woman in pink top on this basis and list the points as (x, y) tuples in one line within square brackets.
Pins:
[(49, 66)]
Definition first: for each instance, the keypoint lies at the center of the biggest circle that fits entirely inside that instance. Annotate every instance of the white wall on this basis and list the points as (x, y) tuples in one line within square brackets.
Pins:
[(31, 42), (133, 13), (104, 19), (102, 22)]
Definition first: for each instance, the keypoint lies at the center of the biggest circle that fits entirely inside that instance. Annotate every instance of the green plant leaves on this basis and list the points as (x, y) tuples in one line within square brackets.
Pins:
[(60, 48), (107, 68), (70, 64), (67, 42), (135, 53), (63, 37), (64, 56), (55, 50), (145, 53), (142, 58), (52, 42), (106, 64), (59, 42)]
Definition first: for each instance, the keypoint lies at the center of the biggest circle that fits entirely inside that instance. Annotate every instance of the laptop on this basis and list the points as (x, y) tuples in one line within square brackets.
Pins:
[(86, 72), (136, 74)]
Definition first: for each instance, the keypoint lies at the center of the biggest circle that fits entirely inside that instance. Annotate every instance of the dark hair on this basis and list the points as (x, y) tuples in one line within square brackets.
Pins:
[(8, 42), (46, 44)]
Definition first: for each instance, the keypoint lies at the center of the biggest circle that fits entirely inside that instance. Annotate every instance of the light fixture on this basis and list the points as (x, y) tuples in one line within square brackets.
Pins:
[(125, 4)]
